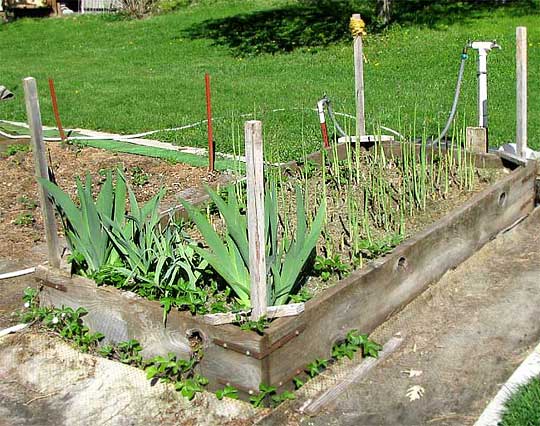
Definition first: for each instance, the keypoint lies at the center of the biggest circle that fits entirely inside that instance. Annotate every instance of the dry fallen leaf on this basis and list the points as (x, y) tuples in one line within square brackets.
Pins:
[(412, 373), (415, 392)]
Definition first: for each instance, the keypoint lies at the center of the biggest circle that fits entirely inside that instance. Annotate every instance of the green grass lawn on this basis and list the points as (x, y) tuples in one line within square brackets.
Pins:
[(523, 408), (130, 76)]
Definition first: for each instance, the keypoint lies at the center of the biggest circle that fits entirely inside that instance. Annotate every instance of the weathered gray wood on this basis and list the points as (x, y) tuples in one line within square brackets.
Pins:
[(368, 296), (476, 140), (359, 82), (42, 170), (122, 315), (521, 91), (363, 300), (512, 158), (358, 372), (255, 218), (271, 312)]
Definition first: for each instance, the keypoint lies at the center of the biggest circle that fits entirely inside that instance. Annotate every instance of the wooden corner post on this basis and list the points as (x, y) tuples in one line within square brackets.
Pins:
[(521, 91), (40, 160), (357, 29), (255, 218)]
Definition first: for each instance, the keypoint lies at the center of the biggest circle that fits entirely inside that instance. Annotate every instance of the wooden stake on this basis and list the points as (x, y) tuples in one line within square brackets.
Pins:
[(55, 110), (40, 160), (359, 83), (255, 218), (476, 140), (521, 91), (211, 153)]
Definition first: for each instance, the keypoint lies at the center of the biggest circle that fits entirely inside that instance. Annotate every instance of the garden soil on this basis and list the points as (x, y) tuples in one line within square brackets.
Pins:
[(464, 337), (21, 225)]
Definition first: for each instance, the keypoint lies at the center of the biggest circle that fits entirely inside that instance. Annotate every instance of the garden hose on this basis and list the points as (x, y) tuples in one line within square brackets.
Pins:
[(464, 57), (332, 117)]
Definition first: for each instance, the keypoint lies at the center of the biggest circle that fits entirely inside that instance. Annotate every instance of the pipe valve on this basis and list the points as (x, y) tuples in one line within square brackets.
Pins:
[(486, 46)]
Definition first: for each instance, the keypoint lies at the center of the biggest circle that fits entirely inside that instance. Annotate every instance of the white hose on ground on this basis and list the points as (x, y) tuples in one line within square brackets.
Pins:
[(17, 273), (13, 329)]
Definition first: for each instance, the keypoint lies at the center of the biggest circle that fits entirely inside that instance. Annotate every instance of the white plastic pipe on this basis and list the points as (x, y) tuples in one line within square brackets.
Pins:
[(483, 47)]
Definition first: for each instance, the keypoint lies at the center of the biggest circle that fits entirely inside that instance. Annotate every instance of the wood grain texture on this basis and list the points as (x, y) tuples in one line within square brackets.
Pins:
[(122, 315), (42, 169), (521, 91), (367, 297), (476, 140), (359, 82), (271, 312), (255, 218)]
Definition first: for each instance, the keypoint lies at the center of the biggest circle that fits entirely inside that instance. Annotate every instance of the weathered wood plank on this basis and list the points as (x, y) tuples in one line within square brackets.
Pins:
[(255, 218), (367, 297), (359, 80), (42, 169), (122, 315), (271, 312), (476, 140), (521, 91)]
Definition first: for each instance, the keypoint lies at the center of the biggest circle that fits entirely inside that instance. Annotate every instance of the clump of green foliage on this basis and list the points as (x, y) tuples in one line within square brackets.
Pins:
[(65, 321), (15, 148), (138, 176), (68, 323), (24, 219), (228, 254)]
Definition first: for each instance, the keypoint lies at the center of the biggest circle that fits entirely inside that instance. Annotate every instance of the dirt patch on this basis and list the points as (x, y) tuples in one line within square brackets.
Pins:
[(20, 218)]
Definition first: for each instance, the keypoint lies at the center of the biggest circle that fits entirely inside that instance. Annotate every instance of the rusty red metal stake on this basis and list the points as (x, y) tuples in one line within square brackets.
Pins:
[(211, 153), (55, 110), (324, 132), (322, 121)]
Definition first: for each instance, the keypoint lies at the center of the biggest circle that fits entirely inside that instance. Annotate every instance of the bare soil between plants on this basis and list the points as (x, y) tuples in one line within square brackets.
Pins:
[(21, 225)]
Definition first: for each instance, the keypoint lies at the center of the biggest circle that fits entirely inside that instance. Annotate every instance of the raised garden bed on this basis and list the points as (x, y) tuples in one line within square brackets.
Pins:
[(362, 300)]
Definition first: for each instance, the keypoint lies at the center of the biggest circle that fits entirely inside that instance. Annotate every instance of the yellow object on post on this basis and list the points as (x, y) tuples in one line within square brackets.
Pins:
[(357, 26)]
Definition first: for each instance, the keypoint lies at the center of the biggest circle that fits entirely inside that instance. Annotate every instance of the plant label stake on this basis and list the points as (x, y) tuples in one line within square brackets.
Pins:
[(42, 170), (211, 154), (255, 218), (55, 110), (358, 30), (521, 91)]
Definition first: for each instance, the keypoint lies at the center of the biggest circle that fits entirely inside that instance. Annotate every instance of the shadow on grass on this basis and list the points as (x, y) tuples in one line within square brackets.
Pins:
[(310, 23)]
